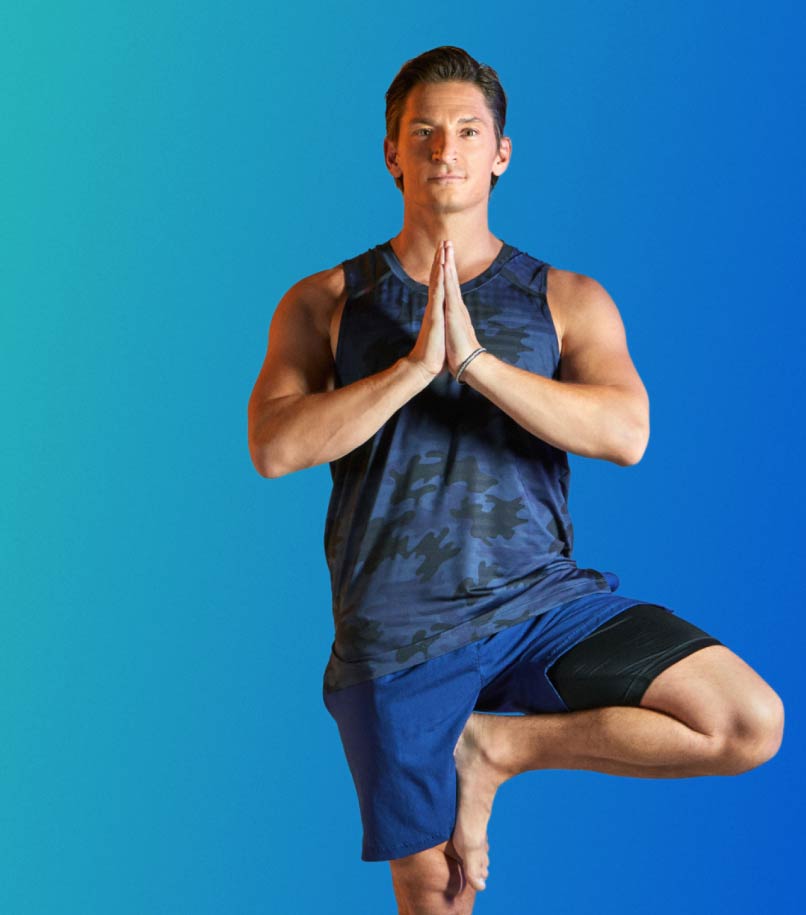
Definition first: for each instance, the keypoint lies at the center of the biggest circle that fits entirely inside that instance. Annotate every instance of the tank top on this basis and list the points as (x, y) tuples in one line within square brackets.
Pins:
[(451, 522)]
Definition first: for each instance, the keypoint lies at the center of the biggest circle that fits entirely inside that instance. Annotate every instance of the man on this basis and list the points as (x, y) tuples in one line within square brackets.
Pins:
[(445, 374)]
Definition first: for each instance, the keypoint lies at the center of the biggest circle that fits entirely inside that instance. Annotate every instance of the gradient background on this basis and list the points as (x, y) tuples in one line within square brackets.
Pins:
[(168, 171)]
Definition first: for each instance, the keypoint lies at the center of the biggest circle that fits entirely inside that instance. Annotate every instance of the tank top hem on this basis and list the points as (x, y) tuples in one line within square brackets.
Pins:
[(341, 673)]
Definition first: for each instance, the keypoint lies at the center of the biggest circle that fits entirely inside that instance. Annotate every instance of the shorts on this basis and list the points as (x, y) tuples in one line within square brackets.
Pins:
[(399, 730)]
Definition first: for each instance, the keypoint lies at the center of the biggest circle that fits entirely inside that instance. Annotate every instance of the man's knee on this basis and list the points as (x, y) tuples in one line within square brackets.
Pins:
[(717, 693), (754, 731), (429, 883)]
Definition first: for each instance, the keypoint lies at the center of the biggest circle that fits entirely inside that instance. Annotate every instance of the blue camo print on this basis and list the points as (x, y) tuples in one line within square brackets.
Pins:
[(451, 522)]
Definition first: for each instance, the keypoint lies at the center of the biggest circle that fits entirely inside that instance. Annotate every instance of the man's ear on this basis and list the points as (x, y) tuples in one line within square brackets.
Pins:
[(504, 155), (390, 157)]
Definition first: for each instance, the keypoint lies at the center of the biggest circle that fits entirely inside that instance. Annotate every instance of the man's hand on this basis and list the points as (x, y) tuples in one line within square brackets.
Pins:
[(460, 337), (429, 350), (446, 335)]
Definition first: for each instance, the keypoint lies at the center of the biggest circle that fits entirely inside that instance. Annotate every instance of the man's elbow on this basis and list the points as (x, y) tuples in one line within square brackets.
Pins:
[(632, 457), (265, 461), (269, 471), (266, 449), (633, 446)]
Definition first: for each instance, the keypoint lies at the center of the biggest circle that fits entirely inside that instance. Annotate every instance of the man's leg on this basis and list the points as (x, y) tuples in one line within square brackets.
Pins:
[(707, 714), (431, 882)]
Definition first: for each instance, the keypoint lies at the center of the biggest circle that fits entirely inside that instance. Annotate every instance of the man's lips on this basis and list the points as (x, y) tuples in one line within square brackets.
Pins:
[(447, 178)]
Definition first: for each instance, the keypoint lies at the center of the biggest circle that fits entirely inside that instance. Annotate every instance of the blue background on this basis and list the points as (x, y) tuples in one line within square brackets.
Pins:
[(169, 170)]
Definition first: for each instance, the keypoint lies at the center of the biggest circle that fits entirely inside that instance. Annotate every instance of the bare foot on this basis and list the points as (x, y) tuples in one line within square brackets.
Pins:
[(479, 779)]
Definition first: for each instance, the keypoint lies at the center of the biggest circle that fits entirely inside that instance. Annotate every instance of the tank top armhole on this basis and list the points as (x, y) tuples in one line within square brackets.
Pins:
[(534, 279), (351, 276), (550, 317), (540, 283), (348, 289), (357, 281)]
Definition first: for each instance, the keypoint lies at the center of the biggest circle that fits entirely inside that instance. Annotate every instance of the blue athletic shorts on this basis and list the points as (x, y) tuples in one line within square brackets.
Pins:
[(399, 730)]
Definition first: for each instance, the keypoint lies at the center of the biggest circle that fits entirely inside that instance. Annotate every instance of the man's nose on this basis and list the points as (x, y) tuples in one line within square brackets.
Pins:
[(444, 149)]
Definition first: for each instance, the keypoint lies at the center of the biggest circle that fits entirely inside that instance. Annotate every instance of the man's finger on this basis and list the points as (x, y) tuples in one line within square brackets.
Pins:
[(451, 277), (434, 264), (437, 261)]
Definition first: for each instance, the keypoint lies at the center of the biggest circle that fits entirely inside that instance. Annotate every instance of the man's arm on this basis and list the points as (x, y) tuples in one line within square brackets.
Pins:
[(599, 408), (295, 417)]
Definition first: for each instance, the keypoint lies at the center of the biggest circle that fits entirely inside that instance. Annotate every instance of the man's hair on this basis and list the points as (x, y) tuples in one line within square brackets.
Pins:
[(441, 65)]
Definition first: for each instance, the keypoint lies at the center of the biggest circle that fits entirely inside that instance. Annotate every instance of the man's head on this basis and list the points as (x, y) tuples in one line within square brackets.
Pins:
[(459, 82)]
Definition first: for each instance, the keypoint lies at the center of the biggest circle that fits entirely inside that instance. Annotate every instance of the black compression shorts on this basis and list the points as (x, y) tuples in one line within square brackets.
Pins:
[(615, 664)]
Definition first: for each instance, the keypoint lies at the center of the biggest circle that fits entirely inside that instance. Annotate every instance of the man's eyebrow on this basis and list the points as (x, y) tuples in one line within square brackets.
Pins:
[(419, 120)]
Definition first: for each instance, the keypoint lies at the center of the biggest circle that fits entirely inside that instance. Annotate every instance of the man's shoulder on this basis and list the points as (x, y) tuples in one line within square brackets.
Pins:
[(323, 294), (571, 282), (577, 302), (327, 284), (572, 290), (320, 293)]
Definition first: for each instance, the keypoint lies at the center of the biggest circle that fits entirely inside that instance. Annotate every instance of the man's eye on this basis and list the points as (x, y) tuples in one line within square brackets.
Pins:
[(473, 129), (420, 130)]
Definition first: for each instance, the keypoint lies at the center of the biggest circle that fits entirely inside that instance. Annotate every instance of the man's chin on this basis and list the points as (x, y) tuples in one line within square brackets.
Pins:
[(449, 203)]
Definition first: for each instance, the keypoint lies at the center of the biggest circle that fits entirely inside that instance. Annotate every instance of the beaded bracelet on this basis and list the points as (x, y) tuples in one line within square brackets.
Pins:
[(467, 362)]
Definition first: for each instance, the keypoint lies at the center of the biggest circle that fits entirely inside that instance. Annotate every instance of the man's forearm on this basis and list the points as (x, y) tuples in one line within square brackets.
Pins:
[(302, 430), (601, 421)]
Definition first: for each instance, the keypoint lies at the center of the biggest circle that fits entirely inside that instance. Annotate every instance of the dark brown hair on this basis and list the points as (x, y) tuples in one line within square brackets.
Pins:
[(441, 65)]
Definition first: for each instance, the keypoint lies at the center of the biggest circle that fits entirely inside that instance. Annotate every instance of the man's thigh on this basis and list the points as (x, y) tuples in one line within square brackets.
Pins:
[(650, 657)]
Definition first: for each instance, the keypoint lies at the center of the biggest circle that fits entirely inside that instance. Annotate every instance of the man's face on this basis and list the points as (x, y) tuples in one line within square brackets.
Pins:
[(446, 149)]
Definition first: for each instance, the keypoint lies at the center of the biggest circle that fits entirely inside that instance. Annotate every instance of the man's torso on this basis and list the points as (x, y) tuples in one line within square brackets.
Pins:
[(452, 520)]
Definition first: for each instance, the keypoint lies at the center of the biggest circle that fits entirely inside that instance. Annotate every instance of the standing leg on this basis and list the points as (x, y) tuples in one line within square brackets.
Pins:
[(431, 882)]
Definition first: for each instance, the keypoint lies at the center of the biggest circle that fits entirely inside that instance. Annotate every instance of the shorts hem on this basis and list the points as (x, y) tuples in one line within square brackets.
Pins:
[(401, 851)]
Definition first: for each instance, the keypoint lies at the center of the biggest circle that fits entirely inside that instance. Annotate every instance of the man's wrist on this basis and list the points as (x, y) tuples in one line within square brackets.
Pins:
[(418, 368), (465, 371)]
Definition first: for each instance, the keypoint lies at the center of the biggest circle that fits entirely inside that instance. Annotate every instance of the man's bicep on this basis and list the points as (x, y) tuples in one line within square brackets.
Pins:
[(594, 345), (298, 358)]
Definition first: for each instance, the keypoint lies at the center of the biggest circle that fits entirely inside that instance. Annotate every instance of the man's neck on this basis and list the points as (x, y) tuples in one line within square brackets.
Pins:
[(474, 245)]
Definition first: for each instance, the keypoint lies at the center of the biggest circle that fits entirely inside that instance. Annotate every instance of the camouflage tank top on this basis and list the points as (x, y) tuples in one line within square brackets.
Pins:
[(451, 522)]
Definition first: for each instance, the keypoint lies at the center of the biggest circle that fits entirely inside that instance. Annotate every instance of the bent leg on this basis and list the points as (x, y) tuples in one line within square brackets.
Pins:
[(652, 695), (708, 713)]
